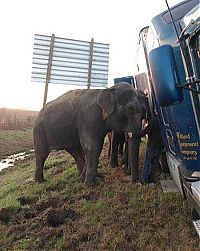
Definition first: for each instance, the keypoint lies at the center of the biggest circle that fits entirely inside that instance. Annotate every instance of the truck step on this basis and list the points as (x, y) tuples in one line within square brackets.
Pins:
[(195, 186), (196, 224)]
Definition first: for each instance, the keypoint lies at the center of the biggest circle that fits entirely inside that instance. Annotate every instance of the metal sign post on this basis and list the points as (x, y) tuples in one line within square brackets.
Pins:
[(90, 63), (66, 61), (49, 69)]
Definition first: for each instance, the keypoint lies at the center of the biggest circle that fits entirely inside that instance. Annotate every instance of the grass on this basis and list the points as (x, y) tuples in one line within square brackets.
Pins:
[(15, 141), (63, 214)]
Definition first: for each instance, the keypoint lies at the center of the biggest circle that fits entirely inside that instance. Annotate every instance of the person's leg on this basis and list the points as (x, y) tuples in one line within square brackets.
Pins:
[(154, 166), (164, 164), (146, 166)]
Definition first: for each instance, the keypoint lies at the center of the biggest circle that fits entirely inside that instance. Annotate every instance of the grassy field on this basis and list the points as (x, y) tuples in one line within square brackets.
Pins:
[(15, 141), (63, 214)]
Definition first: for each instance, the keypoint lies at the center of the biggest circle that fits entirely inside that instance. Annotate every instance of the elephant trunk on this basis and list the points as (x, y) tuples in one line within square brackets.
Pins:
[(133, 156), (134, 127), (134, 139)]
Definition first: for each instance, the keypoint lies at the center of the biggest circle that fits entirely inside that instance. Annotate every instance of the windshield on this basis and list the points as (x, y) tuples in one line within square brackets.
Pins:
[(195, 53), (195, 49)]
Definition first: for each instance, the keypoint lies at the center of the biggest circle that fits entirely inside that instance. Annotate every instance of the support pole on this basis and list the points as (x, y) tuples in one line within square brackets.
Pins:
[(90, 63), (49, 69)]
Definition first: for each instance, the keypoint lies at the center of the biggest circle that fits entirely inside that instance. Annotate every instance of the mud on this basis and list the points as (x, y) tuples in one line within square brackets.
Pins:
[(114, 215), (5, 215), (10, 160)]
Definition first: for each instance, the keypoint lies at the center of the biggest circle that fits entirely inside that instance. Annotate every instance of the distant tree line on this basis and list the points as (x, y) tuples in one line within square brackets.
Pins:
[(15, 120)]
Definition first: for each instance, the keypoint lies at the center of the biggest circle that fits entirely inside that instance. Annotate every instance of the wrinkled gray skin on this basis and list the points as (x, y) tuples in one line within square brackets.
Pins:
[(78, 122), (118, 139)]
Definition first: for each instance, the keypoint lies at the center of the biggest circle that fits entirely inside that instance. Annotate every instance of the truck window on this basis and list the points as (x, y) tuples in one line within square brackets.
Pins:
[(152, 40), (195, 45)]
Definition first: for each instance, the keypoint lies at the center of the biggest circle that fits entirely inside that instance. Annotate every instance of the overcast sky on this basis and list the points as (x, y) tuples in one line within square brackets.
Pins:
[(115, 22)]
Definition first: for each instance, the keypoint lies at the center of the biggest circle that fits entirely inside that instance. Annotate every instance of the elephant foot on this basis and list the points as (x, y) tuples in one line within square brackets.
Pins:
[(82, 174), (126, 170), (122, 162), (114, 164), (135, 180), (90, 182), (100, 176), (82, 177), (39, 179)]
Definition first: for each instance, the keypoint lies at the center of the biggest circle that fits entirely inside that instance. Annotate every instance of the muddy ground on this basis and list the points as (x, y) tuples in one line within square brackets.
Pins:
[(63, 214)]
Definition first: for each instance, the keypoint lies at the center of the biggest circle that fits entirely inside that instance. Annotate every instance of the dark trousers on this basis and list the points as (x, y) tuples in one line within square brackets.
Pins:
[(151, 164)]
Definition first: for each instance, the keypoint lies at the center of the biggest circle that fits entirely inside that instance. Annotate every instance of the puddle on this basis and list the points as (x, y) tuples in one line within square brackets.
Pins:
[(10, 160)]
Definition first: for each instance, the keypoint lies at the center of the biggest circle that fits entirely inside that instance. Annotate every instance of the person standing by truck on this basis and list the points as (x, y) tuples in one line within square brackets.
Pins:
[(154, 151)]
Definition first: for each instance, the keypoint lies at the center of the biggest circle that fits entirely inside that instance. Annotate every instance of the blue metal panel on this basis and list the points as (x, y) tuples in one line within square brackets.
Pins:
[(163, 69), (179, 126), (128, 79)]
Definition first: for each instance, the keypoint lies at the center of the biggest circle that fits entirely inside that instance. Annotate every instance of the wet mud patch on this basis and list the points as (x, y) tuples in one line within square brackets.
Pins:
[(41, 221), (23, 200), (40, 206), (5, 215), (56, 217), (52, 212), (90, 196)]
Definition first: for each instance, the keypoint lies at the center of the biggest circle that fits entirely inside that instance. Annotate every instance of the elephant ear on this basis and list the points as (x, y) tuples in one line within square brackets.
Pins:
[(106, 101)]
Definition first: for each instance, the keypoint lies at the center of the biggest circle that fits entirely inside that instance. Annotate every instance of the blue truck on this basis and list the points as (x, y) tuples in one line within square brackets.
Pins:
[(168, 69)]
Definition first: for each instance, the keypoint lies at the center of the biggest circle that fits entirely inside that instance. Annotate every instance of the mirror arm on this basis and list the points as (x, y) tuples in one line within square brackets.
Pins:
[(186, 86)]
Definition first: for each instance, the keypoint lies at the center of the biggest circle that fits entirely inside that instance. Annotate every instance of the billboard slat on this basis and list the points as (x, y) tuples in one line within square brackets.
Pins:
[(70, 61)]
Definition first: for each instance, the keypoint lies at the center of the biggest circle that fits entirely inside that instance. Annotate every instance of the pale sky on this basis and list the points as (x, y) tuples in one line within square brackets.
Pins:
[(115, 22)]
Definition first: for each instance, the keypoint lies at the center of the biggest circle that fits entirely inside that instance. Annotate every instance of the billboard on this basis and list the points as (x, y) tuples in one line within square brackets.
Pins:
[(72, 62)]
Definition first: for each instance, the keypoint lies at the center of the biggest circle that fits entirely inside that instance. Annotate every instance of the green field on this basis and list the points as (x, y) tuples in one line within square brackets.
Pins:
[(63, 214), (15, 141)]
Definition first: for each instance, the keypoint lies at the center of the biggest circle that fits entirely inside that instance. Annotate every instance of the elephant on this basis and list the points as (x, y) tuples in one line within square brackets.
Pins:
[(120, 137), (78, 122), (119, 140)]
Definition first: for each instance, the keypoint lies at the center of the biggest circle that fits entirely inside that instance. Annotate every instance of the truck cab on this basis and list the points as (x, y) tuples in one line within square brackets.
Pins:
[(168, 67)]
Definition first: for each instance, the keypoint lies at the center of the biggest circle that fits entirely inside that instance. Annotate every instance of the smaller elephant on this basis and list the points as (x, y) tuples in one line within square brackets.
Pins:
[(119, 140), (78, 122), (119, 137)]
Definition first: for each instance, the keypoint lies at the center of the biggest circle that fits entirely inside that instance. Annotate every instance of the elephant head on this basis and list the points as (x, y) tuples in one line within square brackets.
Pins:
[(122, 108)]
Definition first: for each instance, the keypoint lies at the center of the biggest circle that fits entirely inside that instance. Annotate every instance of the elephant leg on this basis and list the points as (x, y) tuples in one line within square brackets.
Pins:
[(121, 144), (91, 167), (80, 161), (83, 173), (41, 153), (92, 154), (124, 161), (109, 144), (121, 149), (40, 159), (114, 150), (78, 157)]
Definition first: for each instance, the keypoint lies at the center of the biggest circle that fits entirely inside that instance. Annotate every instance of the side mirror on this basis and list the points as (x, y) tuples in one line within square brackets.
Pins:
[(164, 76)]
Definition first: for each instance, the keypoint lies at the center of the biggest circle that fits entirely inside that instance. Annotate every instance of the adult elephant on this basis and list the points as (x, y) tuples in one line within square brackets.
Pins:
[(78, 122)]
